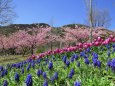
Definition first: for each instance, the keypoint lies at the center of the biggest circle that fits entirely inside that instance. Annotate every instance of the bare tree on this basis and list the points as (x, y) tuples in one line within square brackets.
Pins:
[(96, 17), (7, 13), (100, 17), (89, 7)]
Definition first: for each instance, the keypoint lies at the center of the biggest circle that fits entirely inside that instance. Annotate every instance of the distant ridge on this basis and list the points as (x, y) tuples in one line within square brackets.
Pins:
[(14, 27), (6, 30), (73, 25)]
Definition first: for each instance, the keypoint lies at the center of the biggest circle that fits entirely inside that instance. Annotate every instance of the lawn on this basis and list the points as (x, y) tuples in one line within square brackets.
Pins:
[(12, 59)]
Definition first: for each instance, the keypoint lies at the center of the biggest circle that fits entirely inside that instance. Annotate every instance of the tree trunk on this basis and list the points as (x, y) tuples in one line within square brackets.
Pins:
[(32, 50), (51, 46), (23, 54), (60, 44), (91, 23)]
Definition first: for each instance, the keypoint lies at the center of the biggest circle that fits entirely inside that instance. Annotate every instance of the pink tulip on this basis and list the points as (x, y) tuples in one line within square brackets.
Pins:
[(111, 36), (80, 45), (85, 46), (33, 56), (96, 43), (113, 40), (99, 39), (61, 52)]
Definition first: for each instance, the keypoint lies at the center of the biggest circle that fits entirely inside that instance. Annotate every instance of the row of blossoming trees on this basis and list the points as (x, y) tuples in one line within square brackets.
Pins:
[(24, 41)]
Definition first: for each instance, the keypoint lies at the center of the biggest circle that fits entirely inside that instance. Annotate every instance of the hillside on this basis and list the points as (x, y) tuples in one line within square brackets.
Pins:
[(73, 25), (14, 27)]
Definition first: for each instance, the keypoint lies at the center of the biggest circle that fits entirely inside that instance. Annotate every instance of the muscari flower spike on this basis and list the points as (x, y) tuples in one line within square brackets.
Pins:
[(113, 45), (50, 66), (22, 71), (44, 75), (94, 60), (5, 83), (71, 73), (39, 72), (108, 53), (56, 75), (88, 49), (29, 80), (95, 55), (2, 74), (33, 65), (98, 63), (16, 77), (52, 79), (77, 83), (78, 64), (5, 71), (28, 67), (1, 68), (108, 46), (76, 56), (109, 63), (87, 61), (67, 63), (64, 58), (45, 83), (72, 59)]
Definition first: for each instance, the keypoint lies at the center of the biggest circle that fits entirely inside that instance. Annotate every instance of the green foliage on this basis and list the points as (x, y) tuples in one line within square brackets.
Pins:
[(40, 49), (88, 75)]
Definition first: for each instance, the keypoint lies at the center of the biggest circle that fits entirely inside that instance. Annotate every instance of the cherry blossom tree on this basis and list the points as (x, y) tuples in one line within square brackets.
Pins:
[(3, 43), (37, 38), (77, 35)]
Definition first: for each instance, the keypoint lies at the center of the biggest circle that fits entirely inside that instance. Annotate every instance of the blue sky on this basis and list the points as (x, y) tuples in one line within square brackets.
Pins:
[(58, 12)]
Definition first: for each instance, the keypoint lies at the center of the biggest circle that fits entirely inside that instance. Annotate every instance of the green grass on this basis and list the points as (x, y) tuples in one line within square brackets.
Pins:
[(12, 59), (88, 75)]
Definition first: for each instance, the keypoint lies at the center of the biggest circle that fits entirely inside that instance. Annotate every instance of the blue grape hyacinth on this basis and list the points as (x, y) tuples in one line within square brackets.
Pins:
[(33, 65), (56, 75), (76, 56), (109, 63), (2, 74), (5, 71), (5, 83), (88, 49), (108, 53), (98, 63), (77, 83), (28, 67), (16, 77), (108, 46), (39, 72), (71, 73), (64, 58), (78, 64), (95, 55), (52, 79), (94, 60), (45, 83), (113, 45), (86, 60), (22, 71), (44, 75), (29, 80), (72, 59), (1, 68), (67, 63), (50, 66)]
